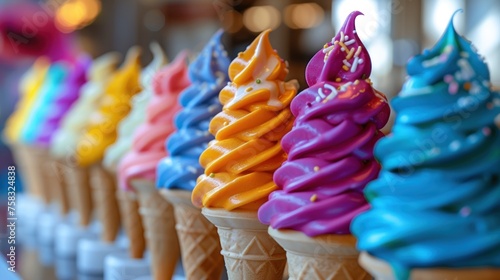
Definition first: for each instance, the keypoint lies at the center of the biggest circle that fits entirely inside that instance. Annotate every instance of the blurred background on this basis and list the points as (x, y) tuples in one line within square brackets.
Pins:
[(392, 30)]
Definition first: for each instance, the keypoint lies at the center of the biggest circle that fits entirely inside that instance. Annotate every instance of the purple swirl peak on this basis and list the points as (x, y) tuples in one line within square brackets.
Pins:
[(330, 147), (343, 59)]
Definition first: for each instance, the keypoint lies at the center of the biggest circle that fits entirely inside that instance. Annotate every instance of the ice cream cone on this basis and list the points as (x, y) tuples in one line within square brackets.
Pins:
[(249, 251), (78, 182), (322, 257), (381, 270), (198, 238), (159, 225), (55, 169), (41, 157), (32, 160), (132, 222), (104, 194), (27, 167)]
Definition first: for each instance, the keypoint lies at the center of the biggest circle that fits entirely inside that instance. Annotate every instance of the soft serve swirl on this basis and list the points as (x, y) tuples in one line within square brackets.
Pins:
[(73, 124), (29, 89), (199, 102), (48, 92), (240, 163), (138, 112), (330, 147), (113, 107), (68, 93), (149, 138), (436, 200)]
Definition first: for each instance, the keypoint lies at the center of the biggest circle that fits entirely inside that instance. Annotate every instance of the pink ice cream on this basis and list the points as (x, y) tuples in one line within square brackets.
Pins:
[(330, 147), (69, 92), (149, 139)]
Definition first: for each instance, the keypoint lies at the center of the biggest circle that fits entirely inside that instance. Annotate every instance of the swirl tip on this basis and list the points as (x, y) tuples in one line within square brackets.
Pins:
[(264, 35), (217, 36), (158, 53), (356, 13), (351, 18), (453, 17), (133, 55)]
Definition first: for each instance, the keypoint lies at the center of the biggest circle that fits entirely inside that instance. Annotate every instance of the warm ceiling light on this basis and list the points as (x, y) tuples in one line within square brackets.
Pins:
[(74, 14), (260, 18), (93, 8), (304, 16)]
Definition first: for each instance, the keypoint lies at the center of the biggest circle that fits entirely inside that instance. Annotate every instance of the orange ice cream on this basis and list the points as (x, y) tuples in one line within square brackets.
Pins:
[(113, 107), (240, 162)]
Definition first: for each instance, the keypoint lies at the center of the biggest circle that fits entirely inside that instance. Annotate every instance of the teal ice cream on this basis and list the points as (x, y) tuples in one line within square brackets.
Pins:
[(41, 110), (436, 201)]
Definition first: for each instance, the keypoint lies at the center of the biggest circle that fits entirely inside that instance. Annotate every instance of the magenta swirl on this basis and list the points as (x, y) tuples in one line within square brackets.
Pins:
[(330, 147), (349, 58)]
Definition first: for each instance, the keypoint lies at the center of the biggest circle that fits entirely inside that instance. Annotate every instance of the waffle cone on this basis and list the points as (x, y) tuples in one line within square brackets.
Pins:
[(56, 169), (249, 251), (159, 225), (104, 194), (31, 161), (132, 222), (78, 182), (381, 270), (330, 256), (199, 241), (26, 164), (41, 156)]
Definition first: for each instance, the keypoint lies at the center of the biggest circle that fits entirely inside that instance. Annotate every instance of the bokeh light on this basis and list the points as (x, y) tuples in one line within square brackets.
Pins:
[(260, 18), (76, 14), (304, 16), (154, 20), (232, 21)]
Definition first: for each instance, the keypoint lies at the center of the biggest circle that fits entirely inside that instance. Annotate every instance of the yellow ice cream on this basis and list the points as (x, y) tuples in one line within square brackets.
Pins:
[(240, 162), (29, 87), (137, 114), (113, 107)]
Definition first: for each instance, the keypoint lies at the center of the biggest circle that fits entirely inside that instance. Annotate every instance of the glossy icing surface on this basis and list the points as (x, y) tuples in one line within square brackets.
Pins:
[(208, 75), (330, 147), (29, 87), (240, 162), (48, 92), (115, 104), (72, 126), (148, 145), (68, 92), (138, 112), (436, 200)]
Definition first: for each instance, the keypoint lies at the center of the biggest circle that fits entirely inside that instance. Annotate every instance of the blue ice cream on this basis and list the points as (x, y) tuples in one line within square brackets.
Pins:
[(436, 201), (200, 102)]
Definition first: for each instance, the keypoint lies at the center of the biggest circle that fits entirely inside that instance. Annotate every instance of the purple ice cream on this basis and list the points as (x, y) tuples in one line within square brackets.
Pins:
[(330, 147)]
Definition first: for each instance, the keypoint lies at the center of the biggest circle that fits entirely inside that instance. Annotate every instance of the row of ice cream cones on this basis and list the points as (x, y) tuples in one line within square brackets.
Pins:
[(242, 170)]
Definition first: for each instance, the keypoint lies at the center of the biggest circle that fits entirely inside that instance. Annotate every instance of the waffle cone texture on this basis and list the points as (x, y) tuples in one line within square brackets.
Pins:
[(78, 184), (198, 238), (159, 225), (104, 195), (325, 257), (249, 251), (132, 222)]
